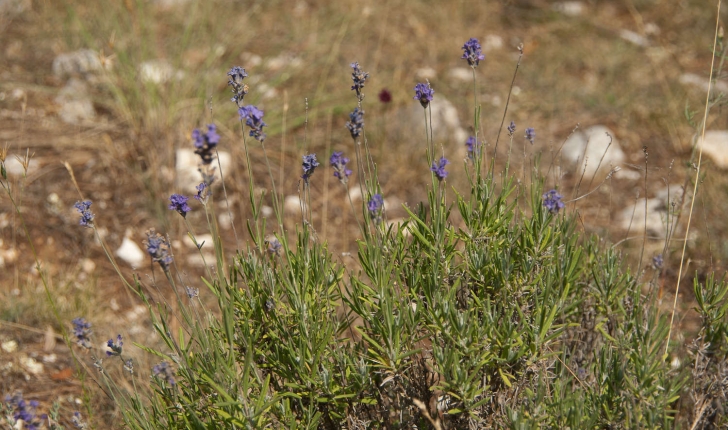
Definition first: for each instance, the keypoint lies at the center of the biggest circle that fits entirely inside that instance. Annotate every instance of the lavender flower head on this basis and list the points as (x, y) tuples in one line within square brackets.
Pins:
[(115, 346), (178, 202), (164, 372), (356, 123), (203, 193), (552, 201), (158, 248), (375, 206), (192, 292), (129, 366), (274, 247), (23, 411), (83, 208), (473, 146), (511, 128), (424, 93), (205, 143), (82, 332), (472, 52), (530, 134), (310, 163), (359, 77), (657, 262), (77, 421), (254, 119), (438, 168), (239, 89), (338, 162)]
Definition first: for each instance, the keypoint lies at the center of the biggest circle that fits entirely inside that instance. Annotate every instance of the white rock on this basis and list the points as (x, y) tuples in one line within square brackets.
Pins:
[(75, 105), (224, 221), (31, 365), (206, 238), (392, 203), (701, 82), (632, 37), (158, 72), (652, 29), (187, 167), (397, 223), (266, 211), (426, 73), (569, 8), (284, 60), (354, 193), (130, 252), (595, 141), (632, 217), (18, 94), (660, 209), (81, 62), (461, 74), (250, 60), (267, 91), (445, 122), (492, 42), (14, 167), (292, 204), (715, 146), (197, 260), (628, 174), (9, 346), (164, 4), (87, 265)]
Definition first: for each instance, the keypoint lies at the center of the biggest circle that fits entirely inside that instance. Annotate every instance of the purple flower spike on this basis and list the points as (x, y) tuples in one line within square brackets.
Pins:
[(473, 146), (356, 123), (530, 134), (21, 410), (254, 119), (472, 52), (164, 372), (82, 332), (511, 128), (116, 347), (178, 203), (205, 143), (274, 247), (359, 77), (203, 193), (424, 93), (310, 163), (375, 206), (338, 162), (552, 201), (84, 208), (158, 248), (438, 168), (239, 89)]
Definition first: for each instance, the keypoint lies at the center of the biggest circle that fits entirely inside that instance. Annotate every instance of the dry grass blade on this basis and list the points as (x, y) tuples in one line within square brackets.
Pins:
[(697, 176)]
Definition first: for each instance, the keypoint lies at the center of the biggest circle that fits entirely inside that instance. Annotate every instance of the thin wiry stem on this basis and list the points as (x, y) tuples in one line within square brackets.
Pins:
[(227, 201), (697, 179), (508, 100)]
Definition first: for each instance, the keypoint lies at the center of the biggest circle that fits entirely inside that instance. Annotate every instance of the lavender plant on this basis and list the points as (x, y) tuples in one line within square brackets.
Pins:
[(506, 318)]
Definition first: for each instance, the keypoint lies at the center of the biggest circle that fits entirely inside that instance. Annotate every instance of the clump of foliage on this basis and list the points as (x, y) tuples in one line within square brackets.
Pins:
[(507, 317)]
